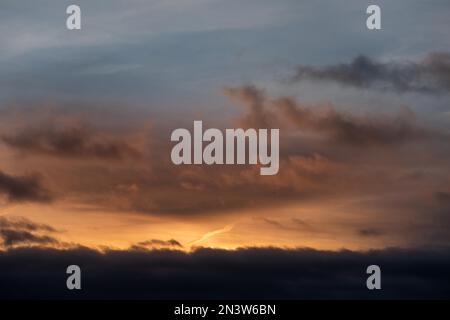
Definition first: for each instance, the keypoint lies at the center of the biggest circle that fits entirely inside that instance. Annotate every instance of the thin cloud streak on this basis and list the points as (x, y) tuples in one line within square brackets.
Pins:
[(431, 74), (211, 234)]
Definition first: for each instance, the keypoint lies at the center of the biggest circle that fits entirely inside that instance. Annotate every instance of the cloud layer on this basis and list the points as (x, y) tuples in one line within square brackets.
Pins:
[(327, 153), (251, 273)]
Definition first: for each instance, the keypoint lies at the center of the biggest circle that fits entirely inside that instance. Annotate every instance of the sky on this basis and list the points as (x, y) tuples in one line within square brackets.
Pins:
[(86, 117)]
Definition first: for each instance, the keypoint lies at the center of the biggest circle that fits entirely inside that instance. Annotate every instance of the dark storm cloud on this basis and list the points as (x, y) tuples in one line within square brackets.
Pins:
[(68, 141), (23, 188), (212, 273), (23, 232), (431, 74)]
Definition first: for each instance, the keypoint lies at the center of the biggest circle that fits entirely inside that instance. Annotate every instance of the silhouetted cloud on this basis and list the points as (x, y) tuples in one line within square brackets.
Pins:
[(24, 224), (15, 237), (23, 188), (431, 74), (251, 273), (157, 243), (23, 232)]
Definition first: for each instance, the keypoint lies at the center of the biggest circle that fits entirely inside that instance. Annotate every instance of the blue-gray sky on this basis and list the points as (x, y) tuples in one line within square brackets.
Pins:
[(179, 54)]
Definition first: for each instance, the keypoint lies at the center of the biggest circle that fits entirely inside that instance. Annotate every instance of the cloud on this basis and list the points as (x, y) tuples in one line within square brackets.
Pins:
[(24, 224), (156, 243), (323, 154), (253, 99), (213, 233), (348, 129), (23, 188), (250, 273), (288, 113), (370, 232), (68, 140), (20, 237), (23, 232), (294, 224), (431, 74), (330, 158)]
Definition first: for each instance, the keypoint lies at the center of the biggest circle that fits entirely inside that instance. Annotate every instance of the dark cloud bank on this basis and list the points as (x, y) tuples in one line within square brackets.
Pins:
[(213, 273)]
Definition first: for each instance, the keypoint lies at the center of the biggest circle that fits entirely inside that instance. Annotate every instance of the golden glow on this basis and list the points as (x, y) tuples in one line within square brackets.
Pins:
[(293, 226)]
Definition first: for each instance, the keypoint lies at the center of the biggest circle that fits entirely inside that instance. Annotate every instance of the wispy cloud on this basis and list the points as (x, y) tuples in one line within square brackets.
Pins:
[(19, 232), (431, 74), (211, 234)]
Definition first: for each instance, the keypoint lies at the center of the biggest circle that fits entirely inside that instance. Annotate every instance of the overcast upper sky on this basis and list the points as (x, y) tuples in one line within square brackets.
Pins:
[(180, 51)]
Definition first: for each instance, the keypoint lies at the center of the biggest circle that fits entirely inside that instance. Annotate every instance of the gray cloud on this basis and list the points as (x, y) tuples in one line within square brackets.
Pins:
[(294, 224), (370, 232), (326, 120), (23, 232), (75, 141), (349, 129), (432, 74), (254, 100), (24, 224), (20, 237), (157, 243), (23, 188)]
